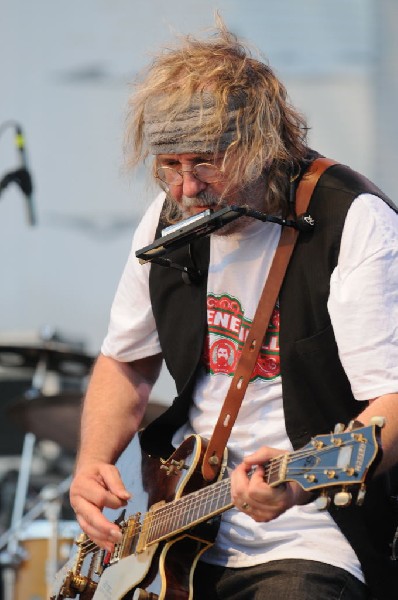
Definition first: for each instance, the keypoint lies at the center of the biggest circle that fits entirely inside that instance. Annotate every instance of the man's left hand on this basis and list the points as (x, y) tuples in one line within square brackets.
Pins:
[(253, 496)]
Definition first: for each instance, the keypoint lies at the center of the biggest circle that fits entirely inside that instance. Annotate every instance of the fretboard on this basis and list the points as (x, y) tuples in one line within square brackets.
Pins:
[(189, 510), (198, 506)]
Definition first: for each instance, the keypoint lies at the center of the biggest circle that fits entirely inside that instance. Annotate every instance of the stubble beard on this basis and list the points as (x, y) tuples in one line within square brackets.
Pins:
[(251, 196)]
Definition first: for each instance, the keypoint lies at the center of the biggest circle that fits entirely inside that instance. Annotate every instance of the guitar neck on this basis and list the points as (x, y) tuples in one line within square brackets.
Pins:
[(187, 511), (201, 505), (328, 461)]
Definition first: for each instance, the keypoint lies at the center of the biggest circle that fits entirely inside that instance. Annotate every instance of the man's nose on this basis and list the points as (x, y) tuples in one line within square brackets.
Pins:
[(191, 186)]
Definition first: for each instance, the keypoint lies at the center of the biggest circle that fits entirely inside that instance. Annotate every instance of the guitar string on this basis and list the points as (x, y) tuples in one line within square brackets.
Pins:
[(154, 526), (185, 505), (89, 546), (172, 509), (213, 492)]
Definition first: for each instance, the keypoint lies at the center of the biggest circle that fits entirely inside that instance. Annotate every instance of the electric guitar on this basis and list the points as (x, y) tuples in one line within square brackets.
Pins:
[(160, 547)]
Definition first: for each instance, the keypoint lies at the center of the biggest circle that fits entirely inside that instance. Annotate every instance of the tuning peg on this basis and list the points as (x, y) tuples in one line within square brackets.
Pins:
[(339, 428), (322, 502), (378, 421), (361, 495), (342, 498)]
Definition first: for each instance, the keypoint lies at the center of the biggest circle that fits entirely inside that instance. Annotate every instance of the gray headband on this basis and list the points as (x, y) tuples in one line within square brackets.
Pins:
[(187, 131)]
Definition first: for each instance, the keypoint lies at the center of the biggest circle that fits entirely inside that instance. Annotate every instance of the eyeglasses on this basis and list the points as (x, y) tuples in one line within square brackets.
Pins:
[(204, 172)]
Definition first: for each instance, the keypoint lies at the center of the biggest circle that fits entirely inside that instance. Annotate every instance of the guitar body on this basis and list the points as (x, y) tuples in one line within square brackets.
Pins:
[(164, 569), (178, 513)]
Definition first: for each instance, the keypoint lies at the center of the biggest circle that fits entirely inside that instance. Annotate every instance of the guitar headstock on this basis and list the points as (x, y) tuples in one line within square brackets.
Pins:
[(342, 459)]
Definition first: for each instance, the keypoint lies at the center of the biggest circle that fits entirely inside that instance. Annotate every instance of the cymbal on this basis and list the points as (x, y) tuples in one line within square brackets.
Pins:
[(59, 356), (57, 417)]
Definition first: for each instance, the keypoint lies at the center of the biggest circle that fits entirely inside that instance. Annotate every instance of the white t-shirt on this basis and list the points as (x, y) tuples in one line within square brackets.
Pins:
[(363, 306)]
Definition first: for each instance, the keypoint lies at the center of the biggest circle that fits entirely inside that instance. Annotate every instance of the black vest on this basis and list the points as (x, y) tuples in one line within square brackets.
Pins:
[(316, 391)]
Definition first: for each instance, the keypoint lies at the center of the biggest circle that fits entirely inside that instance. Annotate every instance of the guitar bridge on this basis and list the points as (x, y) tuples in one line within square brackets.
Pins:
[(75, 582)]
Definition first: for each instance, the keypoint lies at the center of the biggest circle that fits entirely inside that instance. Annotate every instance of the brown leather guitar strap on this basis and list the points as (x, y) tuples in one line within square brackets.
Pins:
[(251, 348)]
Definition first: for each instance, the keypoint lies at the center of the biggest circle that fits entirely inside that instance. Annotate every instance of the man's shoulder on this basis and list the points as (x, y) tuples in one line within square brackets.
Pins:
[(350, 183)]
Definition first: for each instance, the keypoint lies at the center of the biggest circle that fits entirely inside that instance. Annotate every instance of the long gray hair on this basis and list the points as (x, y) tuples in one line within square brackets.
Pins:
[(269, 134)]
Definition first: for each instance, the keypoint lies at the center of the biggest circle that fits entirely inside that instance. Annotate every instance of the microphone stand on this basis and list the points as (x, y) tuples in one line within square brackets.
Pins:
[(21, 176)]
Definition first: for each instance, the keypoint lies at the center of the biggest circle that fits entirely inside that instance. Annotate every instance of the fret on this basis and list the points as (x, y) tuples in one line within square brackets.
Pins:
[(190, 514), (178, 517), (154, 527), (275, 469)]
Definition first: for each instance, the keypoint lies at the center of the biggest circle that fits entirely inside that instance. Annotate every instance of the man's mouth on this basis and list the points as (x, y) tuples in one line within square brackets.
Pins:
[(194, 210), (196, 205)]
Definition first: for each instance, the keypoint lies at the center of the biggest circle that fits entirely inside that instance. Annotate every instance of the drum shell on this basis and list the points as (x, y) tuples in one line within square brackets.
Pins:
[(31, 574)]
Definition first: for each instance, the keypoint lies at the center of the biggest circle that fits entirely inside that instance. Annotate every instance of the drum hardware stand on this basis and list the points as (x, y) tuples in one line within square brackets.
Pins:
[(12, 557), (49, 505), (52, 511)]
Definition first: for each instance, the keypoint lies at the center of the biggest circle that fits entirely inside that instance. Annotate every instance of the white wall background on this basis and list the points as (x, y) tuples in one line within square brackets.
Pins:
[(65, 69)]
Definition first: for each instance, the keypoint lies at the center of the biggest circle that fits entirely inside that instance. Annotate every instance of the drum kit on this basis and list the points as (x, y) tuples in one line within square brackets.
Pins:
[(39, 533)]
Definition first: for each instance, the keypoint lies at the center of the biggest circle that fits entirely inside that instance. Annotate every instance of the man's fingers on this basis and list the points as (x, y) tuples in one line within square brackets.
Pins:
[(100, 486), (261, 456), (98, 528), (251, 493), (93, 488), (105, 537), (113, 482)]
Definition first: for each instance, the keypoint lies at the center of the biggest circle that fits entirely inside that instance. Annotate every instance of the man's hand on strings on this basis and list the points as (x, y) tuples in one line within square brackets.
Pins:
[(95, 486), (253, 496)]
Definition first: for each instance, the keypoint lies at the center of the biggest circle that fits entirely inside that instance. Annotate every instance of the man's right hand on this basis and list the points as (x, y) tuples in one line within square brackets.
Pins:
[(95, 486), (114, 405)]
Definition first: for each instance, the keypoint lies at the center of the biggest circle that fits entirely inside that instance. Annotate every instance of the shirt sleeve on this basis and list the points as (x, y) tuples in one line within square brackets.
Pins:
[(363, 302), (132, 330)]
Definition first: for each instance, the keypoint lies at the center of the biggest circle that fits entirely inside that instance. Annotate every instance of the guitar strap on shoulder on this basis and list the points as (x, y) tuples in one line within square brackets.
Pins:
[(251, 348)]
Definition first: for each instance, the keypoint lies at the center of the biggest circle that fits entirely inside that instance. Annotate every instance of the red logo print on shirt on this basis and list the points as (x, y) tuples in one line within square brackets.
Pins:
[(227, 332)]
